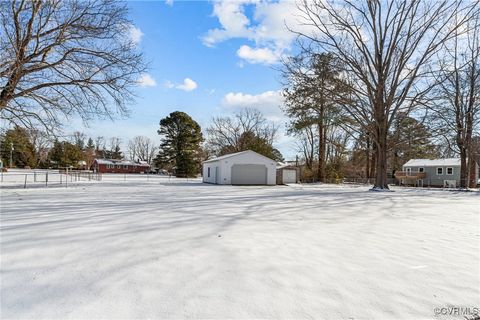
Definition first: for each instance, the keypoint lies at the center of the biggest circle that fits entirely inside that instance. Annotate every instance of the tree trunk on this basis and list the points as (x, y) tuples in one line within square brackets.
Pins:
[(373, 161), (472, 175), (367, 169), (381, 156), (321, 151), (463, 168)]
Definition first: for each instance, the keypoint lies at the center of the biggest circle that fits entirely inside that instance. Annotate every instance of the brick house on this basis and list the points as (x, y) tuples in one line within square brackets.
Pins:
[(119, 166)]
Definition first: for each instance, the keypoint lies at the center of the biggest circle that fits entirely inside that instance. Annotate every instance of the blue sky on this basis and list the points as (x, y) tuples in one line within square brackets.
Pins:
[(206, 59)]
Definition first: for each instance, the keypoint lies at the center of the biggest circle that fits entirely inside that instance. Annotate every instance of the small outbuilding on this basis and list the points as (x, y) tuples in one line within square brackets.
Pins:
[(287, 174), (241, 168)]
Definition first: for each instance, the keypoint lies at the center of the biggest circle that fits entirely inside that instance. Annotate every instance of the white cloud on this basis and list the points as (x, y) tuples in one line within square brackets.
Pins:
[(241, 100), (169, 2), (269, 103), (187, 85), (146, 80), (235, 23), (260, 55), (168, 84), (268, 27), (135, 34)]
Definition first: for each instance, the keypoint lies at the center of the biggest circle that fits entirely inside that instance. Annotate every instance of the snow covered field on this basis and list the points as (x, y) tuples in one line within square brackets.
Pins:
[(166, 249)]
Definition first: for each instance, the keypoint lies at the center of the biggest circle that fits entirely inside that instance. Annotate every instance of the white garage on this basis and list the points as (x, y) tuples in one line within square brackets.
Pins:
[(241, 168)]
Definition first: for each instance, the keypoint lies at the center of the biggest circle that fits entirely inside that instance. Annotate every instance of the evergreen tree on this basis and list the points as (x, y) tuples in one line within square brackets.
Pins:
[(249, 141), (65, 154), (90, 144), (409, 139), (89, 153), (314, 94), (23, 153), (180, 145)]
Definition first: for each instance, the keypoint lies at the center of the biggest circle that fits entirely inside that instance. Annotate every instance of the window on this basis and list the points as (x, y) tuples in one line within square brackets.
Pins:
[(208, 172), (125, 166), (118, 166), (409, 171), (450, 171), (439, 171), (421, 170)]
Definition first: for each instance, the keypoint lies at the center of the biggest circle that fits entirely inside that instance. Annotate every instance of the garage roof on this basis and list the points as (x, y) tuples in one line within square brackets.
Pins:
[(235, 154)]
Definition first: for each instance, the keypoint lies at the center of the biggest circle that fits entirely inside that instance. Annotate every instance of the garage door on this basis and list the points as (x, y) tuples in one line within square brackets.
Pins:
[(249, 174), (289, 176)]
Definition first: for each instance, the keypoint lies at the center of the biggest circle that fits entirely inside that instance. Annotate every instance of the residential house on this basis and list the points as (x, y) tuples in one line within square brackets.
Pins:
[(119, 166), (435, 173)]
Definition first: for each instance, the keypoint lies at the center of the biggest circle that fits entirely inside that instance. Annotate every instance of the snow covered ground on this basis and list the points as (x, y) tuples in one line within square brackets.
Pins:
[(181, 249)]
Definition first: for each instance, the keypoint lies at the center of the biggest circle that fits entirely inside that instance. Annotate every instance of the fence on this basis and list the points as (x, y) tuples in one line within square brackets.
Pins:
[(440, 183), (145, 178), (21, 178), (349, 180), (45, 178)]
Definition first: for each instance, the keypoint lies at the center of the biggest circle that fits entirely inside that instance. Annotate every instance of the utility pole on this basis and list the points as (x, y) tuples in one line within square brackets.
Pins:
[(11, 154)]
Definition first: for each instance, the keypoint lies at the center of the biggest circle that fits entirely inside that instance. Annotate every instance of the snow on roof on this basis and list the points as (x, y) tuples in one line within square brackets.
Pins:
[(432, 163), (225, 156), (122, 162), (281, 165), (235, 154)]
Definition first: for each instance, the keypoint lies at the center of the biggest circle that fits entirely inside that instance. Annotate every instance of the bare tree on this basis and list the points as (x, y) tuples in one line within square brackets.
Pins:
[(142, 148), (384, 47), (100, 146), (456, 107), (63, 58), (114, 149), (42, 142), (225, 134), (307, 143), (78, 138)]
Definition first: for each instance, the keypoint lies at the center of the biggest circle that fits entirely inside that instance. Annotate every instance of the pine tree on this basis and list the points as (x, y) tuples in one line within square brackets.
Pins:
[(16, 143), (180, 145), (65, 154)]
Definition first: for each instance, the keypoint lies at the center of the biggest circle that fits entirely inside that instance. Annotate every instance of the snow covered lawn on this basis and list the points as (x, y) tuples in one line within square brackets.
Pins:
[(156, 249)]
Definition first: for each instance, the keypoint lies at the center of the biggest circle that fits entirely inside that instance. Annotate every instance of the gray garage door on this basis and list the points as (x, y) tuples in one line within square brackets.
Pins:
[(249, 174)]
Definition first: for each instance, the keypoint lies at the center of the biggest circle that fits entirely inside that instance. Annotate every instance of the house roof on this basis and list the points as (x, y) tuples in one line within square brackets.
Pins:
[(282, 165), (122, 162), (432, 162), (230, 155)]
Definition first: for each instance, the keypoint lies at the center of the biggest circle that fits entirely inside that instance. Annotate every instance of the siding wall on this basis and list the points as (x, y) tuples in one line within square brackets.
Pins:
[(434, 179), (212, 165)]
